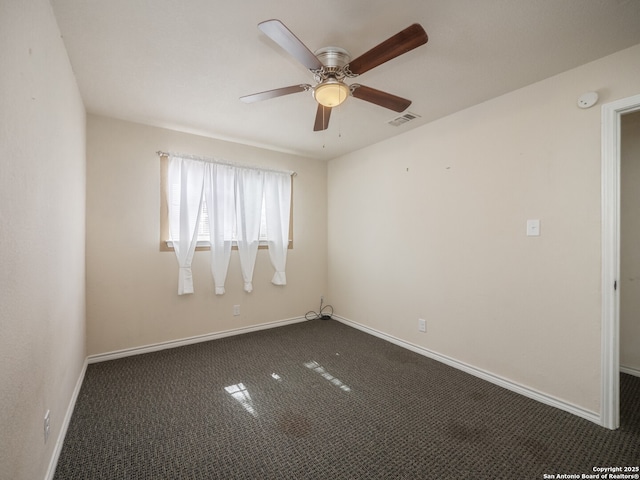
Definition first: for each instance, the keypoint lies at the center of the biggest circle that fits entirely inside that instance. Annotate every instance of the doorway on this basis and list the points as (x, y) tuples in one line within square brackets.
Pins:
[(629, 243), (611, 167)]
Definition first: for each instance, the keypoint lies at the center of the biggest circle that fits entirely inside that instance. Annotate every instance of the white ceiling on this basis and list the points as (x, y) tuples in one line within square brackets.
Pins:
[(183, 64)]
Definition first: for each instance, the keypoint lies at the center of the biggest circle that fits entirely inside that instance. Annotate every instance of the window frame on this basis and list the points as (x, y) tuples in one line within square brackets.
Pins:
[(166, 245)]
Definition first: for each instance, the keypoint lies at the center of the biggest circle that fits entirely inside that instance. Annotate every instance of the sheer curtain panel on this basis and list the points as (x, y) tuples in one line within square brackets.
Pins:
[(277, 198), (249, 193), (219, 193), (185, 195)]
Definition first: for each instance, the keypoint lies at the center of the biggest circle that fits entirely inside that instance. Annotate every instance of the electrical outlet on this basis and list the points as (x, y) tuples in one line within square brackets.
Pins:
[(236, 310), (422, 325), (47, 425)]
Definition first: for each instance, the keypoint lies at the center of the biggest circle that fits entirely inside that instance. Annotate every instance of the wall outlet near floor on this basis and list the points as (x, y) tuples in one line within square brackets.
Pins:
[(47, 425), (422, 325), (236, 310)]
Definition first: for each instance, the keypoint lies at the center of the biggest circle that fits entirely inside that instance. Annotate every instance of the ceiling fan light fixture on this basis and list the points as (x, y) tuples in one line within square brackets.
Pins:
[(331, 93)]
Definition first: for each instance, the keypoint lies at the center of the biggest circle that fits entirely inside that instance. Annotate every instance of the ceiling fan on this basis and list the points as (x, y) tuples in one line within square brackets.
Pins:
[(331, 65)]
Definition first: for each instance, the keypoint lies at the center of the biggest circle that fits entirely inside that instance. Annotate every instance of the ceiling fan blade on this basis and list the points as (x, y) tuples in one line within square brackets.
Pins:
[(322, 118), (402, 42), (278, 92), (276, 31), (384, 99)]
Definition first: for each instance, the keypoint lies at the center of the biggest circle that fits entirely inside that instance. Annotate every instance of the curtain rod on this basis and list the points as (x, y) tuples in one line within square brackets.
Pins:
[(160, 153)]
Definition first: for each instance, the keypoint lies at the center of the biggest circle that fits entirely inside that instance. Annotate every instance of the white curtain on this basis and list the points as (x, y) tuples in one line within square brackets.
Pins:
[(249, 192), (186, 186), (277, 198), (219, 187)]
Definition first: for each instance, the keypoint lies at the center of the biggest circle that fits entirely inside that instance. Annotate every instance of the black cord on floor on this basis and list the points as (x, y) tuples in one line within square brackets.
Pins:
[(323, 314)]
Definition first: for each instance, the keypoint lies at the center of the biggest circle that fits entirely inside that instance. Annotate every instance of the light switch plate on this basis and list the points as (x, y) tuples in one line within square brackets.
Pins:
[(533, 228)]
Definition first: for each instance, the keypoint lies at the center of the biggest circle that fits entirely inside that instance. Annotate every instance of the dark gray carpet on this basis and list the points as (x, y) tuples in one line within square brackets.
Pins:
[(321, 400)]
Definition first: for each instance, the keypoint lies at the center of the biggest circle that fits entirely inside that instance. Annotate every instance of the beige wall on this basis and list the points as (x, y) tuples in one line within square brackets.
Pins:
[(630, 243), (42, 211), (431, 224), (132, 296)]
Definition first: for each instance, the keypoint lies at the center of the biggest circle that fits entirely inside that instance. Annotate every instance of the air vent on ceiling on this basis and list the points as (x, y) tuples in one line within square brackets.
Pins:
[(402, 119)]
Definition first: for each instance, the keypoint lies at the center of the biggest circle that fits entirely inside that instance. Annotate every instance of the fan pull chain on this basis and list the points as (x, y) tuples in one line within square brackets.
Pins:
[(324, 132)]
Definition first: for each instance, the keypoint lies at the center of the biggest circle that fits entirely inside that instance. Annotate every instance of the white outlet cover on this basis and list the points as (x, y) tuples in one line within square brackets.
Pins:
[(587, 100)]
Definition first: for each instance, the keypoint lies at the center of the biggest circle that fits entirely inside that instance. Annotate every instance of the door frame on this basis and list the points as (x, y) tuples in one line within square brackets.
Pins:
[(610, 177)]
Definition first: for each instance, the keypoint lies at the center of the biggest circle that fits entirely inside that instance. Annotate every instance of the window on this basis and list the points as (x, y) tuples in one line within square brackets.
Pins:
[(227, 203), (166, 245)]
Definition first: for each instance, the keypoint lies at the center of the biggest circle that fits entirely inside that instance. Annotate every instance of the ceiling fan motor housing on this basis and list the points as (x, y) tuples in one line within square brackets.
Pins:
[(334, 60)]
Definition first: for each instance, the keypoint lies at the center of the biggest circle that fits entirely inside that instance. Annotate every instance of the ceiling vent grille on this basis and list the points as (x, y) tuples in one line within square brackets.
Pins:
[(402, 119)]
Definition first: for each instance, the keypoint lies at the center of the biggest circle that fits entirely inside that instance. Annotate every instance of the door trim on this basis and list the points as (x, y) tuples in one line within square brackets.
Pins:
[(610, 176)]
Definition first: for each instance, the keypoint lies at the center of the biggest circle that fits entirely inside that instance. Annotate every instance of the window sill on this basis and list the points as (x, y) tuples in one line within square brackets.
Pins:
[(167, 245)]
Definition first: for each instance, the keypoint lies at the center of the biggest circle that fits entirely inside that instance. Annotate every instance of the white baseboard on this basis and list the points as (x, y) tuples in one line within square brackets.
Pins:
[(478, 372), (53, 463), (127, 352), (631, 371)]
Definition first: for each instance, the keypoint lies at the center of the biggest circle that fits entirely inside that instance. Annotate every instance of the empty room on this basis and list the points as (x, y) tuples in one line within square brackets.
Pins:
[(332, 240)]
